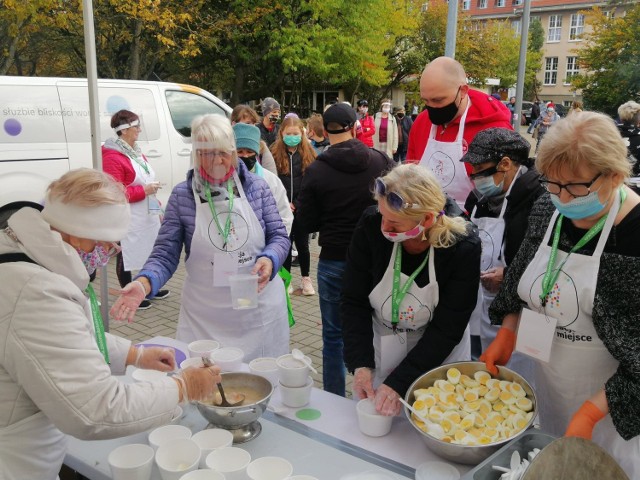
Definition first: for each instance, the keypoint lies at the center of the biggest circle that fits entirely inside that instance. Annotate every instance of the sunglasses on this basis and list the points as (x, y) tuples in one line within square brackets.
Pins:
[(484, 173), (394, 200)]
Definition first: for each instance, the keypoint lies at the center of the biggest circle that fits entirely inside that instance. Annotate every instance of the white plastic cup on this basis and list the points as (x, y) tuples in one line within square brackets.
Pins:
[(244, 291), (371, 423), (229, 359), (177, 457), (232, 462), (177, 415), (292, 372), (203, 348), (205, 474), (162, 435), (131, 462), (191, 362), (269, 468), (296, 396), (265, 367), (211, 439)]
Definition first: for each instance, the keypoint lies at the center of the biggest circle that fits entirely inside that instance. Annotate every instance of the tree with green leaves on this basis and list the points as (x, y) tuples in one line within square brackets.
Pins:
[(534, 60)]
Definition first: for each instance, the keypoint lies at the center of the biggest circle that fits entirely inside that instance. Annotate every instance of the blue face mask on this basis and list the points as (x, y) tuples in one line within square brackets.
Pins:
[(487, 188), (580, 207), (292, 140)]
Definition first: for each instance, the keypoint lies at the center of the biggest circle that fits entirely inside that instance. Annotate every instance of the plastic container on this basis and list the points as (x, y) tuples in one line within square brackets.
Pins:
[(371, 423), (244, 291)]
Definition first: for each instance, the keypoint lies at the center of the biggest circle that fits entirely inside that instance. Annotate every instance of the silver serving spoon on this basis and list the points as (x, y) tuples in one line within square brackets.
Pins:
[(237, 398), (298, 355)]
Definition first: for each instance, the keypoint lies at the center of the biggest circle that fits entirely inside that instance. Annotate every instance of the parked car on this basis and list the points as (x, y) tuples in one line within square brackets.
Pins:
[(526, 110), (561, 110)]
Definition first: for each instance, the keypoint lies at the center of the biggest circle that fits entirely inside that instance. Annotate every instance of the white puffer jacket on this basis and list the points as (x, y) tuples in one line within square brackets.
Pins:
[(53, 379)]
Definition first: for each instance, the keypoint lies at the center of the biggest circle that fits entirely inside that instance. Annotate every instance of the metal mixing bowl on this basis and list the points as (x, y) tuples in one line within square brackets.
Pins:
[(243, 419), (467, 454)]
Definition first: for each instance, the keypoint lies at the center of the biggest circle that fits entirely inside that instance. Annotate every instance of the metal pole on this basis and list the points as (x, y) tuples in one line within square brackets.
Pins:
[(522, 63), (452, 26), (94, 117)]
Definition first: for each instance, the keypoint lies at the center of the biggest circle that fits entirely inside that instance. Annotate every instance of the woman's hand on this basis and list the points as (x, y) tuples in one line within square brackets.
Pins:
[(386, 401), (492, 279), (292, 207), (198, 383), (125, 307), (499, 351), (152, 188), (363, 383), (152, 358), (264, 269)]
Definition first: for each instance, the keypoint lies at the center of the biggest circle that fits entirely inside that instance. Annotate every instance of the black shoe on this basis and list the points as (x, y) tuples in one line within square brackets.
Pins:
[(295, 262), (144, 304), (162, 294)]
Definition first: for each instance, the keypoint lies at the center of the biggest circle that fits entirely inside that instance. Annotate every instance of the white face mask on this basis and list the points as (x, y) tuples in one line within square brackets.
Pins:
[(396, 237), (386, 109)]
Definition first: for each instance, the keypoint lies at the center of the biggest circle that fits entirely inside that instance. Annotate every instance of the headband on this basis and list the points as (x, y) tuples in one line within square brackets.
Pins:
[(124, 126)]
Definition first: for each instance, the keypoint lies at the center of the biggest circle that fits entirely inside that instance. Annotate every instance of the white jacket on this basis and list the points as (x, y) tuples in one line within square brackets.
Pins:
[(280, 195), (53, 379), (392, 134)]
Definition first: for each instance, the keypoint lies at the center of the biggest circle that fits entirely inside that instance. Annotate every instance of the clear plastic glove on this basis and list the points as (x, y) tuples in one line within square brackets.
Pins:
[(363, 383), (198, 384), (500, 350), (386, 401), (584, 421), (492, 279), (264, 269), (126, 306), (155, 358)]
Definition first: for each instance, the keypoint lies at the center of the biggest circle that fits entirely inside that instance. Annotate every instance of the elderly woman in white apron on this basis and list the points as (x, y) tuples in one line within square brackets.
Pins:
[(506, 188), (411, 282), (228, 222), (577, 275), (124, 161)]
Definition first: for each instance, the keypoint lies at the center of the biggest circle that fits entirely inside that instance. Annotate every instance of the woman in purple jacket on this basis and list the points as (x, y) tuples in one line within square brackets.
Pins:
[(228, 222)]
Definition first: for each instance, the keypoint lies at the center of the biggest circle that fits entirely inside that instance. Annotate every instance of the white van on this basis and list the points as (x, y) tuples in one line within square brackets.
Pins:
[(45, 130)]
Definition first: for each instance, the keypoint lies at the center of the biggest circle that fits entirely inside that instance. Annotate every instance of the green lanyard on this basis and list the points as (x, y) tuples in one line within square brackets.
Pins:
[(551, 274), (98, 326), (399, 291), (227, 226), (143, 164)]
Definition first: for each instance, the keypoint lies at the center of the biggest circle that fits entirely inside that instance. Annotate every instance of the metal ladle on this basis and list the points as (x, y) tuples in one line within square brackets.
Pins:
[(237, 397)]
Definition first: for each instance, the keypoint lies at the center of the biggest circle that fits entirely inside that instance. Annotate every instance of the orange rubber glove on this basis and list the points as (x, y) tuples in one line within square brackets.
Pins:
[(500, 350), (584, 421)]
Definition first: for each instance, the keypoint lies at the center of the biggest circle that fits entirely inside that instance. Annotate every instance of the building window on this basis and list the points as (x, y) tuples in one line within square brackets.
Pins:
[(572, 69), (567, 103), (482, 3), (517, 27), (516, 2), (500, 3), (555, 28), (610, 14), (577, 26), (466, 4), (551, 71)]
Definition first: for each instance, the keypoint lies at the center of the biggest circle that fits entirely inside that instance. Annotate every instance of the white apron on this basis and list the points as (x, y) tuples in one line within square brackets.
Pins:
[(443, 159), (144, 227), (206, 311), (416, 311), (580, 364)]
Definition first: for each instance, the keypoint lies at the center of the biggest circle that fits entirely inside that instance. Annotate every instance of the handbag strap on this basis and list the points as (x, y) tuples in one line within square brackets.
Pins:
[(15, 257)]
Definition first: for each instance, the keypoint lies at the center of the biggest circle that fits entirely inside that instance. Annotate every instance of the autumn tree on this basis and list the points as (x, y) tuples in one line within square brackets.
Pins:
[(534, 60)]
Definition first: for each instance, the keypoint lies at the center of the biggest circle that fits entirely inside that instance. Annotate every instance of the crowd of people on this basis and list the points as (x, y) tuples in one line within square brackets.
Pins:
[(441, 239)]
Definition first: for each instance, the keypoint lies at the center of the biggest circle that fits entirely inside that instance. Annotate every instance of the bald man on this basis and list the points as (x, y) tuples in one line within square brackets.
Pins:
[(454, 115)]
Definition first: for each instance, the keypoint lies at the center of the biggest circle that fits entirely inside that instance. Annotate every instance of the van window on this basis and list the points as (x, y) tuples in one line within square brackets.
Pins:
[(111, 99), (31, 115), (185, 106)]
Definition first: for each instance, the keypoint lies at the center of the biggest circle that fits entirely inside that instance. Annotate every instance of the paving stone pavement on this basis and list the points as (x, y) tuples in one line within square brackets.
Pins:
[(161, 319)]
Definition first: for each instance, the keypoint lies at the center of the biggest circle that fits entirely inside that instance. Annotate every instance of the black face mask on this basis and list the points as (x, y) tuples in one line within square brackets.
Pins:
[(274, 118), (250, 162), (401, 115), (442, 115)]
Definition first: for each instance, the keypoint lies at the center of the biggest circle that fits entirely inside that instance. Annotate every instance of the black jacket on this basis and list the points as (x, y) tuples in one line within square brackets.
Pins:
[(631, 134), (336, 189), (458, 275), (526, 190), (268, 136), (295, 167)]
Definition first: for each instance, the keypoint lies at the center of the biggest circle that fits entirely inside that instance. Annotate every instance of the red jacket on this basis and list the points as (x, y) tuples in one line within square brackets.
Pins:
[(118, 165), (368, 130), (485, 112)]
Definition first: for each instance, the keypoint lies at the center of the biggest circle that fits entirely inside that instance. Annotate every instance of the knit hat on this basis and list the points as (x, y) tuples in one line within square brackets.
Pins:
[(247, 136), (268, 105), (341, 114), (492, 144)]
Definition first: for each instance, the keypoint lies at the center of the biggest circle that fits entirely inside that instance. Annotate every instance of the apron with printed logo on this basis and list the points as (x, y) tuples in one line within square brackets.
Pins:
[(579, 364), (144, 226), (443, 159), (206, 311), (415, 313)]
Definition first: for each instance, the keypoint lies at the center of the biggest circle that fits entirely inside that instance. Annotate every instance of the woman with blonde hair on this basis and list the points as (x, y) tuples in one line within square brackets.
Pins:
[(246, 114), (293, 153), (58, 367), (410, 286), (577, 273)]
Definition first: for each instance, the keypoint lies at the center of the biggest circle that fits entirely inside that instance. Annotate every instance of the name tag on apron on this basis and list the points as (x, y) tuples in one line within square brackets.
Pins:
[(153, 205), (535, 334), (224, 265), (393, 349)]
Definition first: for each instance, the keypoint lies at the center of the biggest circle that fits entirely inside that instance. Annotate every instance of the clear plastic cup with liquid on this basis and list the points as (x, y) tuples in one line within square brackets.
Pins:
[(244, 291)]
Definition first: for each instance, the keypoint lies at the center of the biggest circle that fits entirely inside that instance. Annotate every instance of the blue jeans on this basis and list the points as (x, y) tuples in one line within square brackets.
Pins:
[(330, 274)]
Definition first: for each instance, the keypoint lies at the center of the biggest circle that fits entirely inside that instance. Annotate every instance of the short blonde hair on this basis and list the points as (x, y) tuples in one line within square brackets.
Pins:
[(213, 131), (629, 112), (86, 187), (583, 139), (416, 184)]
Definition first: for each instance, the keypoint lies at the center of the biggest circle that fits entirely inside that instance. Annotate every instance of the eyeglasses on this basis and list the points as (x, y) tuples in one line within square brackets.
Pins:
[(484, 173), (214, 153), (576, 189), (395, 201)]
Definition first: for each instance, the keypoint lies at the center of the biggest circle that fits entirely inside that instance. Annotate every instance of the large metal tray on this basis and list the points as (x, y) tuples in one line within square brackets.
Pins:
[(523, 444)]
